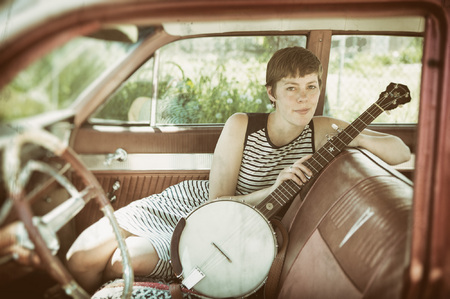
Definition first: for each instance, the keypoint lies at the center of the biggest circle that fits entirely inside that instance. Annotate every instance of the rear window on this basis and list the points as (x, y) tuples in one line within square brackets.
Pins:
[(361, 67)]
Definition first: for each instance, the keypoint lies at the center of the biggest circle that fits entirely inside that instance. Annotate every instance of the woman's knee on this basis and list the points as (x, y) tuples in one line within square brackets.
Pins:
[(142, 254), (93, 247)]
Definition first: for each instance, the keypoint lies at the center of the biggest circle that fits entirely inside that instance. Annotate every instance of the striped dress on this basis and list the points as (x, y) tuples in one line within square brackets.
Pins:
[(156, 216)]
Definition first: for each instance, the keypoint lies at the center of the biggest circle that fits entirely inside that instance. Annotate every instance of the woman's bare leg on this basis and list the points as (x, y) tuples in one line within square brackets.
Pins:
[(143, 258), (88, 255), (94, 258)]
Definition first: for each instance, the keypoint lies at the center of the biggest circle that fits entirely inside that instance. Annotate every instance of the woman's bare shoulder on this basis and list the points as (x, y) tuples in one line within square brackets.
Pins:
[(238, 118)]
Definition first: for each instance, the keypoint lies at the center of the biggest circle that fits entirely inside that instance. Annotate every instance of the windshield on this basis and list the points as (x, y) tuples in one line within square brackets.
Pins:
[(55, 81)]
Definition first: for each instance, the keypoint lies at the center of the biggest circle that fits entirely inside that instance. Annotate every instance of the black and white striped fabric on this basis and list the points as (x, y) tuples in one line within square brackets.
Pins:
[(156, 216), (262, 161)]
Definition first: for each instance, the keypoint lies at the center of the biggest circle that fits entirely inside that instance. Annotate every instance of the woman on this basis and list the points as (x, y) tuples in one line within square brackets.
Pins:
[(254, 155)]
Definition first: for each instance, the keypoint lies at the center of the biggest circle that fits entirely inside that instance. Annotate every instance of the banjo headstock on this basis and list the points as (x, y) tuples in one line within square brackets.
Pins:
[(395, 95)]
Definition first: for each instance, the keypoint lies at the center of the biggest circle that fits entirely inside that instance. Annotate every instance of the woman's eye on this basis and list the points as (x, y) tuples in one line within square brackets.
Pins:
[(290, 88), (312, 87)]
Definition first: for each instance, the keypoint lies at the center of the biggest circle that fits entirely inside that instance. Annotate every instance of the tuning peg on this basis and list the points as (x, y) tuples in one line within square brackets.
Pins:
[(336, 128), (401, 105), (388, 112)]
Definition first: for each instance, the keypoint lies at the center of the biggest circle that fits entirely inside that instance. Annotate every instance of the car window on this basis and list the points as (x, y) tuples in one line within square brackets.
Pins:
[(56, 80), (200, 81), (362, 66), (131, 101), (206, 80)]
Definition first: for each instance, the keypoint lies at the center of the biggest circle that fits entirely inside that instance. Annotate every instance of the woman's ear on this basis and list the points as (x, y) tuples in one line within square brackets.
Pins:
[(270, 94)]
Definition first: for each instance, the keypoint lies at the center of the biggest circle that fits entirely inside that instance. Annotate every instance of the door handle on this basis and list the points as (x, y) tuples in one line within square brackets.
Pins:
[(119, 155)]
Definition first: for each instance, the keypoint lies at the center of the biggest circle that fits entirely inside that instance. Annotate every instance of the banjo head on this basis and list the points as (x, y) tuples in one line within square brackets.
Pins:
[(231, 244)]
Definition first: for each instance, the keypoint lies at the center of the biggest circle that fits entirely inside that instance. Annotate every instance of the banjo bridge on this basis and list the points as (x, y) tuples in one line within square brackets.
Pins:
[(220, 250)]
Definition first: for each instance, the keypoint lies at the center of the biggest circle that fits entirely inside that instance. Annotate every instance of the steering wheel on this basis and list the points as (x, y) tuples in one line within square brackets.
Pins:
[(39, 233)]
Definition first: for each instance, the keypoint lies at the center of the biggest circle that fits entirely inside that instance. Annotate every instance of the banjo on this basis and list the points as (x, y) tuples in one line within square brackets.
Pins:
[(225, 248)]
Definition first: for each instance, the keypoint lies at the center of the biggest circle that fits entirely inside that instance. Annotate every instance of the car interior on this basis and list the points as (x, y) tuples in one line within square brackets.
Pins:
[(132, 107)]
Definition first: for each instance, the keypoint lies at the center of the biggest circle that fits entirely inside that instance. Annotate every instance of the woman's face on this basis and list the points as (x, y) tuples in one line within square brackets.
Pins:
[(296, 98)]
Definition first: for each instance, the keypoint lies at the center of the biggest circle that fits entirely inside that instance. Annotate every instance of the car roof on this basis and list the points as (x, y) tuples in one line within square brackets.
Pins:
[(27, 23), (18, 16)]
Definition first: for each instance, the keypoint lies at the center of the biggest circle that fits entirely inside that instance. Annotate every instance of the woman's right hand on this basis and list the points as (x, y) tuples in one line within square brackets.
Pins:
[(297, 172)]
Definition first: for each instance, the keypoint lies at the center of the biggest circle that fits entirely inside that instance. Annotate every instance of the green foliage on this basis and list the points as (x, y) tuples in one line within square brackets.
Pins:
[(14, 105), (210, 99), (228, 79), (413, 52), (55, 81)]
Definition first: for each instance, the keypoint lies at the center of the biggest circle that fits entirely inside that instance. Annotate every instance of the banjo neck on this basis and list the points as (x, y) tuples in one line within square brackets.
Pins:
[(395, 94)]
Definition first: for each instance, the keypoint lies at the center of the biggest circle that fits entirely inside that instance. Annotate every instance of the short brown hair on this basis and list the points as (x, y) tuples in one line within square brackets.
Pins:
[(292, 62)]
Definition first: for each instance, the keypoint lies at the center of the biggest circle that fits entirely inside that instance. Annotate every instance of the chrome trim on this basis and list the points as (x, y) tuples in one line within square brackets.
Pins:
[(128, 274), (409, 165), (175, 162), (151, 162), (155, 88)]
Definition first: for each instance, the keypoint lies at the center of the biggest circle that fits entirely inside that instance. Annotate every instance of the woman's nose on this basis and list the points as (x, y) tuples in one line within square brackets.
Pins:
[(302, 96)]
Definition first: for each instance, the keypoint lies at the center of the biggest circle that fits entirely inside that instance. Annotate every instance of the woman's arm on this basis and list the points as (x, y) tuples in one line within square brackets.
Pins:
[(227, 161), (227, 157), (389, 148)]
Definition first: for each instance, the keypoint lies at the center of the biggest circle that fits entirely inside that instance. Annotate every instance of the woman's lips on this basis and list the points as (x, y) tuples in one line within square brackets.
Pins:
[(301, 111)]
